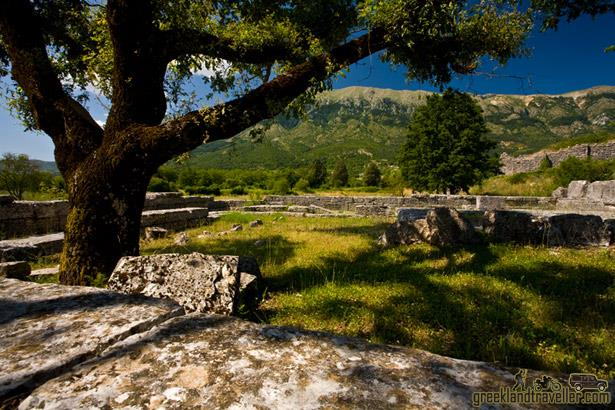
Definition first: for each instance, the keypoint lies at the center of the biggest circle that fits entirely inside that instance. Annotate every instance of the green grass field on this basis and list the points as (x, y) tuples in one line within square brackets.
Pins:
[(520, 306)]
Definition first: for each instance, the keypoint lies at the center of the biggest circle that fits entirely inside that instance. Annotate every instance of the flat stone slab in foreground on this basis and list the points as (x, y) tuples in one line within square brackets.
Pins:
[(47, 329), (213, 362)]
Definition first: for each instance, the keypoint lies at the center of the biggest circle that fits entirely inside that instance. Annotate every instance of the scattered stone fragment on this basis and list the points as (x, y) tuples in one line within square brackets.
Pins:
[(223, 233), (259, 243), (155, 232), (560, 192), (199, 283), (511, 226), (609, 227), (182, 239), (575, 230), (440, 227), (255, 223), (45, 272), (6, 199), (577, 189), (14, 270), (236, 228), (48, 329)]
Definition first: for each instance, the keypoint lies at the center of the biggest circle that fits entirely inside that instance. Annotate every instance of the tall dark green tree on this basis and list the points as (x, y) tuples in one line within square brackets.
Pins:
[(317, 173), (446, 150), (339, 176), (372, 174)]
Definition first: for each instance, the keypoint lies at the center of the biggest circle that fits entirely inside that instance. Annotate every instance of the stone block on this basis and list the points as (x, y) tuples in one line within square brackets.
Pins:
[(603, 191), (203, 361), (175, 219), (6, 200), (255, 223), (15, 270), (510, 226), (484, 202), (411, 214), (199, 283), (559, 193), (155, 232), (574, 230), (48, 329), (577, 189), (440, 227), (32, 247)]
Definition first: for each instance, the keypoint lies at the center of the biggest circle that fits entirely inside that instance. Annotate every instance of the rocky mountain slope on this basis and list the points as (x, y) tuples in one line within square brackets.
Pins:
[(360, 124)]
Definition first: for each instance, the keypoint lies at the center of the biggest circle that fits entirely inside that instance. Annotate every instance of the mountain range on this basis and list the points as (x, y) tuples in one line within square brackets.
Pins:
[(361, 124)]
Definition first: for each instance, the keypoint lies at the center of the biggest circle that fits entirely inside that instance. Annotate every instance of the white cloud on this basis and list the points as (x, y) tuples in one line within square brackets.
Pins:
[(100, 122)]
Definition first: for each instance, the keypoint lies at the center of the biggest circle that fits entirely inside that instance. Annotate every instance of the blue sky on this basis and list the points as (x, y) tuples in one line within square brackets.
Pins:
[(571, 58)]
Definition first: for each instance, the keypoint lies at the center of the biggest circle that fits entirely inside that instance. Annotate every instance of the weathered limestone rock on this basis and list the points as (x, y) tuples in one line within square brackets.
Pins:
[(440, 227), (214, 362), (411, 214), (609, 227), (237, 228), (6, 199), (603, 191), (176, 219), (32, 247), (577, 189), (199, 283), (560, 192), (255, 223), (181, 239), (47, 329), (484, 202), (45, 272), (155, 232), (510, 226), (445, 226), (575, 230), (15, 270)]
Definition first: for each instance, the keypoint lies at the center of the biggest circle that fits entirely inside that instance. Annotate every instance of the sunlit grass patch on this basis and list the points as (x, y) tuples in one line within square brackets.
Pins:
[(544, 308)]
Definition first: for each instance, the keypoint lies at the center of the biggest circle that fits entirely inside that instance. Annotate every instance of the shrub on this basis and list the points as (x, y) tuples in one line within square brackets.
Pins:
[(281, 187), (302, 185), (371, 175)]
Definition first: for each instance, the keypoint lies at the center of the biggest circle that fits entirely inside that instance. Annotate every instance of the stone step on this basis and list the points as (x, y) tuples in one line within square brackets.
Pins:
[(46, 272), (48, 329), (175, 219), (31, 248)]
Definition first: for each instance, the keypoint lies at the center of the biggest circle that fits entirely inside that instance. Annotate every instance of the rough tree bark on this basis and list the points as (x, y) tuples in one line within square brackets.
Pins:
[(107, 170)]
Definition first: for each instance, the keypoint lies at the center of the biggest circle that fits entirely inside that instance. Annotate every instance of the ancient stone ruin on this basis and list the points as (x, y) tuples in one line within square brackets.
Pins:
[(76, 347), (197, 282)]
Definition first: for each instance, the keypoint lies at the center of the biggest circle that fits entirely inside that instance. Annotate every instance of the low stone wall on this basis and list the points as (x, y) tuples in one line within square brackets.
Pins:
[(26, 218), (387, 205), (531, 162)]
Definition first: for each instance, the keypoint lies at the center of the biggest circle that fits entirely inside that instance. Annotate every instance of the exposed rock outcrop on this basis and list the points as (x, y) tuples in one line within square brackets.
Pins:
[(440, 227), (199, 283)]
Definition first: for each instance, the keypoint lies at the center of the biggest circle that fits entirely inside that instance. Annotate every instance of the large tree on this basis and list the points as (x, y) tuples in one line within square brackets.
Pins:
[(265, 53), (446, 150)]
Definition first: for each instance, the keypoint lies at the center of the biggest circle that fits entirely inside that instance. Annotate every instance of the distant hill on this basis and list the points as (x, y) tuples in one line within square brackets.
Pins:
[(360, 124), (47, 166)]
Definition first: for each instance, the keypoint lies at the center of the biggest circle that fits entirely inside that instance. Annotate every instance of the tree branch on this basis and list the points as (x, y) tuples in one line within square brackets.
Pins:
[(73, 131), (138, 66), (225, 120), (178, 43)]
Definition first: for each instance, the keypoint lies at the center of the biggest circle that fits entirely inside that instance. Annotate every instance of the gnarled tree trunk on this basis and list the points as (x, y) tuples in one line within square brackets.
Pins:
[(106, 199)]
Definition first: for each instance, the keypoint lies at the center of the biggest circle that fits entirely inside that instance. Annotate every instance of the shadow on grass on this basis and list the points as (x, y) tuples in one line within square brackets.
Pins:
[(471, 302)]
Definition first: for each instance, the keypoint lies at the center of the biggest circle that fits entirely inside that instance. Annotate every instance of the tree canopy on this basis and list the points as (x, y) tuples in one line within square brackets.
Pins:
[(446, 149)]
